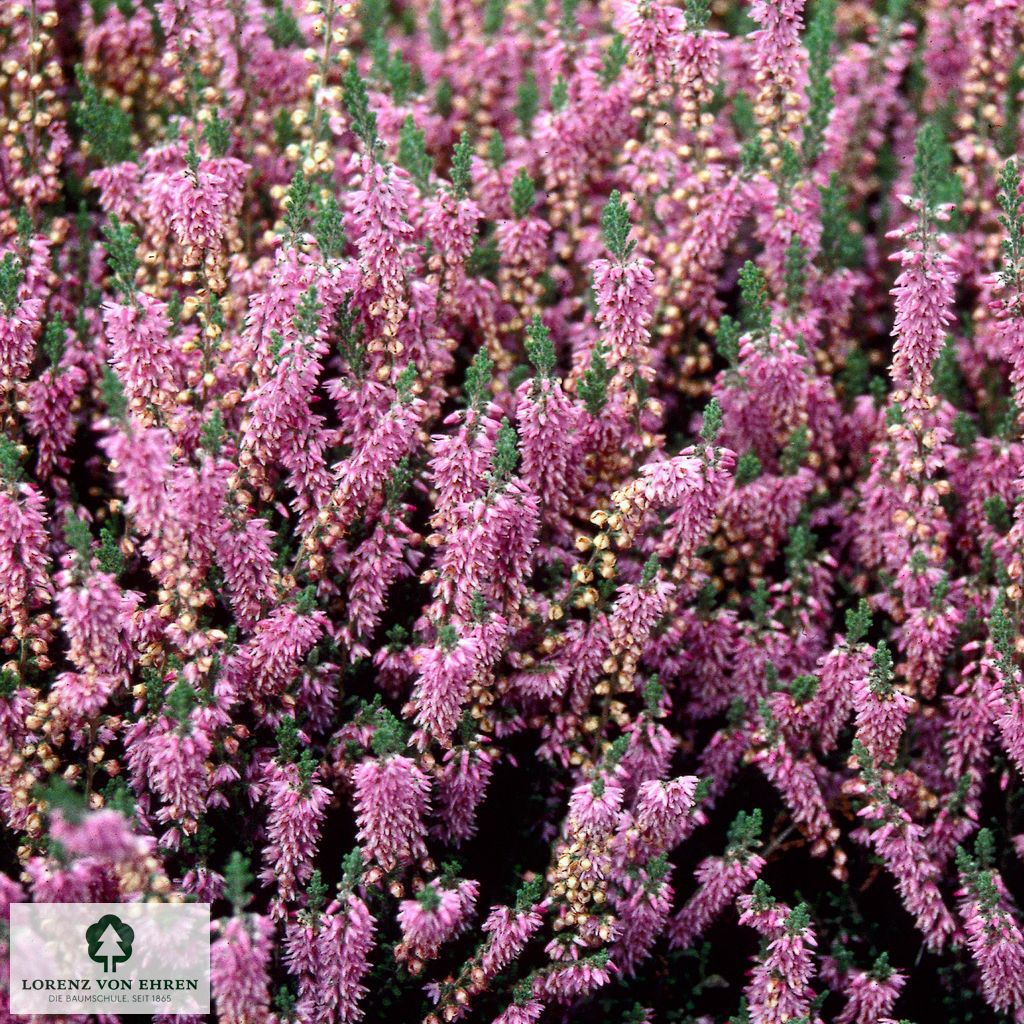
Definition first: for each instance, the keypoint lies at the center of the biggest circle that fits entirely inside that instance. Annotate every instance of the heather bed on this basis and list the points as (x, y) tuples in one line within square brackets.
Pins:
[(518, 505)]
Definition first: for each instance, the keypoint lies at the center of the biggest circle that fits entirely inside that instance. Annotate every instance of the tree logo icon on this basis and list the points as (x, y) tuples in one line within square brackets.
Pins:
[(110, 942)]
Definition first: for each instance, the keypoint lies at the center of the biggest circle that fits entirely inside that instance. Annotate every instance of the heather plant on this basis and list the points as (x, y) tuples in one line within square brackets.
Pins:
[(519, 505)]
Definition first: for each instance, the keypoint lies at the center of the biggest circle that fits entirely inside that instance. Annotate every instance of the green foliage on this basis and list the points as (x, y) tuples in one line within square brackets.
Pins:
[(748, 469), (1012, 219), (840, 246), (120, 243), (997, 513), (282, 27), (104, 125), (496, 149), (307, 312), (351, 868), (327, 226), (77, 537), (443, 97), (521, 194), (757, 316), (391, 68), (237, 879), (650, 571), (477, 388), (744, 834), (429, 899), (795, 274), (181, 701), (880, 676), (217, 134), (762, 900), (559, 94), (494, 16), (614, 60), (539, 348), (462, 157), (858, 622), (727, 340), (803, 688), (398, 483), (795, 453), (357, 102), (506, 453), (948, 381), (389, 736), (9, 682), (212, 433), (112, 394), (296, 205), (54, 337), (615, 227), (11, 277), (404, 384), (527, 101), (413, 155), (698, 14), (1003, 633), (933, 180), (799, 919), (288, 740), (316, 893), (109, 556), (593, 385), (819, 40), (712, 422)]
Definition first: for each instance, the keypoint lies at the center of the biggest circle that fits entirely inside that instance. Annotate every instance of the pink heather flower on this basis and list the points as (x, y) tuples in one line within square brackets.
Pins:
[(23, 559), (443, 685), (654, 32), (18, 330), (105, 835), (142, 352), (379, 214), (881, 713), (566, 982), (174, 763), (721, 880), (625, 304), (51, 416), (508, 930), (642, 912), (435, 915), (779, 989), (527, 1012), (343, 948), (546, 421), (995, 939), (900, 843), (664, 812), (96, 617), (392, 799), (279, 646), (297, 808), (461, 785), (870, 995), (239, 970), (246, 559), (201, 203), (524, 243), (923, 299)]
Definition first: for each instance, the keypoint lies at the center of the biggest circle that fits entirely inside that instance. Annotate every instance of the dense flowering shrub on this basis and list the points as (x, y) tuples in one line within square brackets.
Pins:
[(518, 504)]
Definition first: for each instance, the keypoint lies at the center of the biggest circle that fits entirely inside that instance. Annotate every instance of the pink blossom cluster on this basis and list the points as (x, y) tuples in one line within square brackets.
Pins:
[(520, 506)]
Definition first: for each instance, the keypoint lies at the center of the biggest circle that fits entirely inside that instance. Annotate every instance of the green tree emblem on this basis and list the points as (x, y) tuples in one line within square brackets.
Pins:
[(110, 942)]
